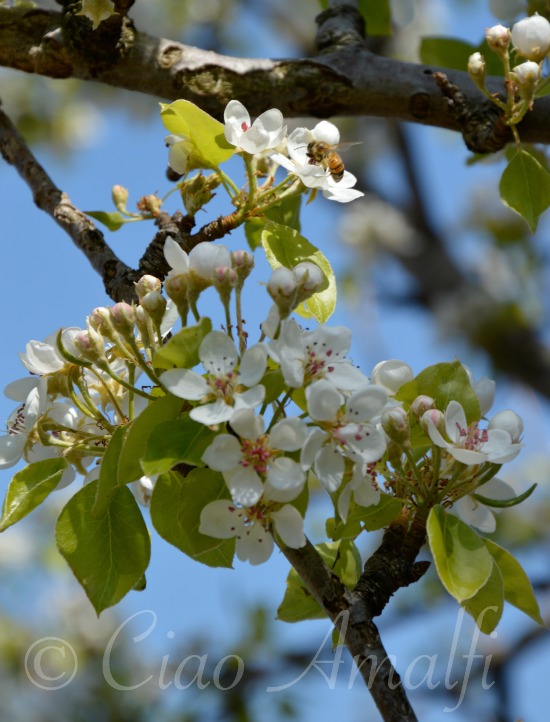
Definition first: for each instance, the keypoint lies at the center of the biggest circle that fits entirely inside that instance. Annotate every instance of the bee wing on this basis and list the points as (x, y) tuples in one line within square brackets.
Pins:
[(342, 147)]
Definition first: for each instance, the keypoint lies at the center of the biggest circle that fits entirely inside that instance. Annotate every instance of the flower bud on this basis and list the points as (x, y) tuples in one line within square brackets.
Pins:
[(154, 304), (90, 344), (508, 421), (282, 288), (225, 278), (123, 318), (435, 417), (477, 69), (150, 205), (100, 320), (309, 276), (527, 75), (422, 404), (198, 191), (391, 374), (175, 286), (145, 327), (395, 423), (498, 38), (243, 263), (531, 37), (119, 195), (146, 284)]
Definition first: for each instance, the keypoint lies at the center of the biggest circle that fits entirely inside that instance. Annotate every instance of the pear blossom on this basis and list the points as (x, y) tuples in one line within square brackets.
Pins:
[(20, 425), (43, 357), (531, 37), (306, 356), (266, 132), (468, 443), (341, 434), (475, 513), (254, 457), (484, 389), (224, 390), (223, 519), (314, 175), (363, 486)]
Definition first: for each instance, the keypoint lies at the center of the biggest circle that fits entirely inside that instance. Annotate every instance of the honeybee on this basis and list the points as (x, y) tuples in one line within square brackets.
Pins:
[(324, 154)]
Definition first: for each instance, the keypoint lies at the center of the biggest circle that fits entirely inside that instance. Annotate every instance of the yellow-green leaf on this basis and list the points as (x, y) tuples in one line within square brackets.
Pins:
[(525, 187)]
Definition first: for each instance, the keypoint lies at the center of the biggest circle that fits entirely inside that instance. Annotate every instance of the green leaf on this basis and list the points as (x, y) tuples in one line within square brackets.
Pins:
[(113, 221), (505, 503), (176, 442), (487, 605), (286, 213), (525, 187), (377, 16), (448, 52), (517, 587), (108, 472), (284, 246), (108, 554), (461, 558), (366, 518), (210, 148), (298, 604), (176, 506), (29, 487), (182, 350), (164, 408), (444, 382)]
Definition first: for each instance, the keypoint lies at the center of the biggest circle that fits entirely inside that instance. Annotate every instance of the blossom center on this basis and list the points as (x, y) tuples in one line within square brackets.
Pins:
[(316, 365), (223, 387), (471, 437), (256, 453)]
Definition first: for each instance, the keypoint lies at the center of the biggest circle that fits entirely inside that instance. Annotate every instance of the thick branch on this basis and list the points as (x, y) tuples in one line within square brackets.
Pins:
[(349, 81), (351, 616)]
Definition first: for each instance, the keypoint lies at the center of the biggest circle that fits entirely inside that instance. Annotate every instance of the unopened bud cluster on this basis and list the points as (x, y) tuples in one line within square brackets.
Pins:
[(530, 39)]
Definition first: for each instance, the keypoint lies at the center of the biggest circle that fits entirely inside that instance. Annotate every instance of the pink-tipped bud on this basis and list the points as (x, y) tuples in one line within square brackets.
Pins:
[(243, 263), (498, 38), (435, 417), (175, 285), (422, 404), (282, 287), (224, 277), (90, 344), (309, 276), (123, 318)]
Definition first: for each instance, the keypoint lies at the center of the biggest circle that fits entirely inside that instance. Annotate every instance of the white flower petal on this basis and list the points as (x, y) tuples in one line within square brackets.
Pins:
[(312, 446), (247, 425), (185, 384), (223, 454), (253, 364), (218, 354), (175, 256), (250, 398), (289, 525), (245, 485), (455, 420), (19, 390), (366, 404), (284, 474), (255, 545), (329, 467), (288, 435), (11, 449), (221, 519), (475, 514), (323, 401), (211, 414), (326, 132)]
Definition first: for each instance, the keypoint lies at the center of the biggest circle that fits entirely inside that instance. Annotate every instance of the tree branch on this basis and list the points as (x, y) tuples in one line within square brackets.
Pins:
[(349, 81), (117, 277), (351, 616)]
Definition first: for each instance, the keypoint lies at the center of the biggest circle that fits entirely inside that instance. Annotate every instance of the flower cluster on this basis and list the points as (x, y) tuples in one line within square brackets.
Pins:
[(309, 155), (530, 39)]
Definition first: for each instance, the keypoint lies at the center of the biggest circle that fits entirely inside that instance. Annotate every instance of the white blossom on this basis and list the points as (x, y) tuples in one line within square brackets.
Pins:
[(341, 434), (222, 519), (468, 443), (254, 457), (229, 385), (392, 374), (475, 513), (306, 356), (266, 132)]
